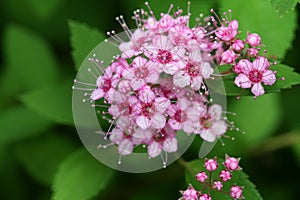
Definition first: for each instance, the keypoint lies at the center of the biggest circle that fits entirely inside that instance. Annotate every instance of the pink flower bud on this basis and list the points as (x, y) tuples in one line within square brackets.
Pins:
[(225, 175), (238, 45), (228, 57), (231, 163), (253, 39), (252, 52), (205, 197), (237, 69), (190, 194), (218, 185), (211, 165), (201, 177), (236, 192)]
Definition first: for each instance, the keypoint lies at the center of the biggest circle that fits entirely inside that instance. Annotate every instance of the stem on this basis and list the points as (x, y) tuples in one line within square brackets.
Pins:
[(275, 143), (185, 165)]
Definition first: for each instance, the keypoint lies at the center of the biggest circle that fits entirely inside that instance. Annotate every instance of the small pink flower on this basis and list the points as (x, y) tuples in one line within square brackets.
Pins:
[(228, 33), (254, 74), (209, 124), (236, 192), (194, 71), (225, 175), (237, 69), (163, 139), (105, 85), (190, 194), (201, 177), (231, 163), (134, 46), (238, 45), (218, 185), (252, 52), (141, 72), (228, 57), (253, 39), (205, 197), (211, 164)]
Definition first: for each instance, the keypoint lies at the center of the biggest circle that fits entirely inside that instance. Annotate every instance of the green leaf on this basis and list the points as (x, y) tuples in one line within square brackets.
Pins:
[(83, 40), (45, 152), (258, 16), (284, 6), (258, 118), (239, 178), (296, 147), (29, 60), (19, 122), (53, 102), (43, 9), (80, 177), (290, 78)]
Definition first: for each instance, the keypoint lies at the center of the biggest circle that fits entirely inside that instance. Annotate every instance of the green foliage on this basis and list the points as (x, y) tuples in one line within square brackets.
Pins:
[(259, 17), (83, 40), (263, 124), (284, 6), (29, 60), (239, 178), (19, 122), (42, 155), (52, 101), (80, 177)]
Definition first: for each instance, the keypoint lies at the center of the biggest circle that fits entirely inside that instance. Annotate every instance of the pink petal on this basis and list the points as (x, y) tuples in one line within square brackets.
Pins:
[(137, 35), (141, 135), (125, 147), (97, 94), (269, 77), (170, 145), (183, 103), (257, 89), (195, 55), (114, 110), (161, 104), (261, 64), (152, 78), (116, 135), (128, 73), (162, 42), (139, 62), (245, 65), (188, 126), (219, 127), (170, 68), (234, 24), (196, 83), (215, 111), (174, 124), (172, 110), (125, 46), (143, 122), (206, 70), (207, 135), (158, 121), (146, 95), (137, 83), (154, 149), (242, 81), (180, 80)]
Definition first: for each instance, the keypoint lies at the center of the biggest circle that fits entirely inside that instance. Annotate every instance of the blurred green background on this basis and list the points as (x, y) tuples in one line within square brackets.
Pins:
[(41, 155)]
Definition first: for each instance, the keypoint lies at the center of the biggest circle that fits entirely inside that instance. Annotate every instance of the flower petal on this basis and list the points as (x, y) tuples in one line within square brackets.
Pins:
[(97, 94), (242, 81), (207, 135), (245, 65), (219, 127), (257, 89), (215, 111), (170, 145), (146, 95), (125, 147), (161, 104), (269, 77), (158, 121), (261, 64), (181, 80), (143, 122), (137, 83), (154, 149), (206, 70), (116, 135)]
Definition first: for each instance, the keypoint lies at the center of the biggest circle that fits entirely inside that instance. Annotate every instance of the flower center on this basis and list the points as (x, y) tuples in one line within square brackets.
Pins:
[(255, 76), (106, 85), (141, 72), (160, 136), (192, 69), (147, 110), (180, 116), (206, 122), (164, 56)]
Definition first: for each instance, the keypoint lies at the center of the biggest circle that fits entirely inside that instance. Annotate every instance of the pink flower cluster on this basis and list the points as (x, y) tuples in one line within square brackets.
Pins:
[(210, 182), (157, 85)]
